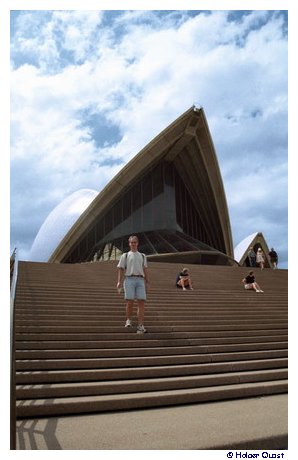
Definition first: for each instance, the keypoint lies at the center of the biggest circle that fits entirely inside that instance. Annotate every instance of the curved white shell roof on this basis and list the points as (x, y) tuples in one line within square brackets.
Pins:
[(243, 246), (58, 223)]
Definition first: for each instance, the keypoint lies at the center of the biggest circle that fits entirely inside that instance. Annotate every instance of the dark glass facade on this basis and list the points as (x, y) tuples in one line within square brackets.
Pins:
[(159, 209)]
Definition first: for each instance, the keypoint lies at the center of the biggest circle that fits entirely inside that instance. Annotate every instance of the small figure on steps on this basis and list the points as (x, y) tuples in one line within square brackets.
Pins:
[(273, 258), (250, 282), (251, 257), (184, 280), (260, 259)]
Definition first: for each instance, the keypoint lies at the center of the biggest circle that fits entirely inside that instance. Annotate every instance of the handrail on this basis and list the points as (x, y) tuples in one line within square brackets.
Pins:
[(12, 261), (13, 284)]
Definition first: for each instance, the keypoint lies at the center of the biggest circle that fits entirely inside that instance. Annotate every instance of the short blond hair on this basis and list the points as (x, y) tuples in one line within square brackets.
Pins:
[(133, 236)]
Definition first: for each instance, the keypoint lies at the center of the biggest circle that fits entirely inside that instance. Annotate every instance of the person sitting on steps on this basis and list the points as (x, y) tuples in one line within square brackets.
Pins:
[(250, 282), (184, 280)]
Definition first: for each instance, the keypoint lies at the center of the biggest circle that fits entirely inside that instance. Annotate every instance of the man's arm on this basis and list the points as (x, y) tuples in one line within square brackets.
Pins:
[(146, 274), (120, 276)]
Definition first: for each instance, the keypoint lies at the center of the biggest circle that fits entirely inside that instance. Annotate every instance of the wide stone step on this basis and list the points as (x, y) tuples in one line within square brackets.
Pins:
[(251, 298), (91, 404), (149, 351), (88, 292), (235, 288), (154, 328), (252, 302), (149, 322), (63, 375), (105, 363), (44, 340), (93, 292), (141, 385), (153, 342), (198, 315)]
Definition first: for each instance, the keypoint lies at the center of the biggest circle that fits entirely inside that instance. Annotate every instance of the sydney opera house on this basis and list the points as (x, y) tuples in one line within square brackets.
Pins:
[(170, 194)]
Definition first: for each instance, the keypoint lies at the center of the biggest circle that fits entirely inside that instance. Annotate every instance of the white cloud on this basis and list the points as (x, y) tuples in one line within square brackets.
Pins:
[(77, 29), (140, 70)]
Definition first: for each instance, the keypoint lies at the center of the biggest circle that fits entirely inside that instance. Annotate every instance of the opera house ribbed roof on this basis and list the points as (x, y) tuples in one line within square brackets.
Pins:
[(187, 199)]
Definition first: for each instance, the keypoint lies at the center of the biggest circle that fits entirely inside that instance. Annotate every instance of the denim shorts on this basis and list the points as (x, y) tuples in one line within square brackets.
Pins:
[(134, 288)]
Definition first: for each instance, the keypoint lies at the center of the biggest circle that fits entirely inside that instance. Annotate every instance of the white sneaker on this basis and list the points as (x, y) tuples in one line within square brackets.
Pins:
[(261, 290), (128, 323), (141, 329), (257, 290)]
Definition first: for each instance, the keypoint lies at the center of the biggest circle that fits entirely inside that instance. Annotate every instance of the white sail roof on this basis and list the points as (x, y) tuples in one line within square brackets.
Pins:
[(58, 223), (243, 246)]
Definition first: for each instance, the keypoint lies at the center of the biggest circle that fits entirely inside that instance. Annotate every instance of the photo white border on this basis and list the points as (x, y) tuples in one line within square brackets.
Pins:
[(5, 7)]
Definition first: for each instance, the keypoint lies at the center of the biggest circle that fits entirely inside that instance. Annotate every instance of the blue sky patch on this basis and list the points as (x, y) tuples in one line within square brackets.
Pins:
[(102, 131)]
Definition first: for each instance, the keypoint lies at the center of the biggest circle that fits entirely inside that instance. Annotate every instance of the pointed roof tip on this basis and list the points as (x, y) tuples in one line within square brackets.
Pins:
[(189, 128), (240, 251), (197, 107)]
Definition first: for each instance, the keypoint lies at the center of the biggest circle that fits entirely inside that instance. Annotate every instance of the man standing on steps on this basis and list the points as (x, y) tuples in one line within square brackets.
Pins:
[(251, 257), (132, 267), (273, 258)]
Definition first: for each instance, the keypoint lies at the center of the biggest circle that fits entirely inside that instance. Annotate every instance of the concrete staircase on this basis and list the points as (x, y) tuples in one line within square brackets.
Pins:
[(218, 342)]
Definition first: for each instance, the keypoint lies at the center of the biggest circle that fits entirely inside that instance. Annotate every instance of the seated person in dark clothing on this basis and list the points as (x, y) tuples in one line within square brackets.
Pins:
[(250, 282), (184, 280)]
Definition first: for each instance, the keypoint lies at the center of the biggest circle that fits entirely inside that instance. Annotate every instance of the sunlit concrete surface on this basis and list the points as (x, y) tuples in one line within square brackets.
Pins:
[(254, 423)]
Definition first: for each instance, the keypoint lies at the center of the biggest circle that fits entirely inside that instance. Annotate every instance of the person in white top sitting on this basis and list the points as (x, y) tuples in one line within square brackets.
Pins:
[(133, 268)]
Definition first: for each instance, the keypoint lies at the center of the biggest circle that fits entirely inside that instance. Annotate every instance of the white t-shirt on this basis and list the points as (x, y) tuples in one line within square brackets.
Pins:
[(133, 262)]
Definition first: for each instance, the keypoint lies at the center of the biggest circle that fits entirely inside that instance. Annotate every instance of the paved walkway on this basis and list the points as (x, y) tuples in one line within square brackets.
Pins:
[(253, 423)]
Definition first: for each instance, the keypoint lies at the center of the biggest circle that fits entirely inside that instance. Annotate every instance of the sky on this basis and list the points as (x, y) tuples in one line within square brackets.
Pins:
[(90, 88)]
